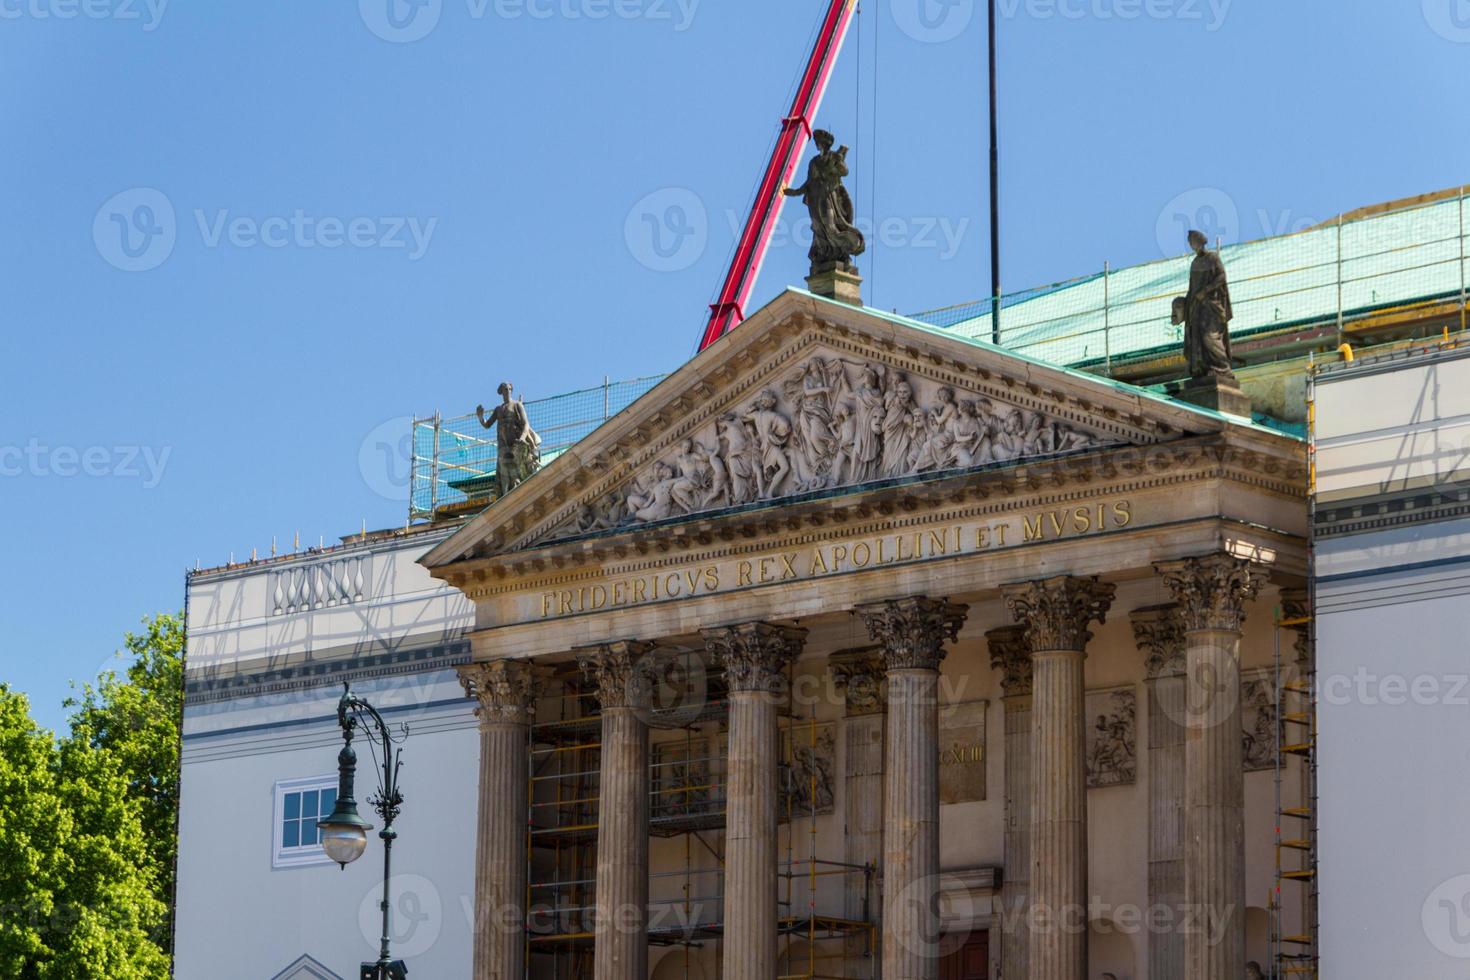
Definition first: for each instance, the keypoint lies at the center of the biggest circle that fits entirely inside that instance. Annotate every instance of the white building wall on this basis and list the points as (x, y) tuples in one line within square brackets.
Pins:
[(261, 708), (1393, 612)]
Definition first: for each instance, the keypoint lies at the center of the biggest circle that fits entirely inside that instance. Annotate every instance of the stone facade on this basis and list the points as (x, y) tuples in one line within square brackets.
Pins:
[(853, 581)]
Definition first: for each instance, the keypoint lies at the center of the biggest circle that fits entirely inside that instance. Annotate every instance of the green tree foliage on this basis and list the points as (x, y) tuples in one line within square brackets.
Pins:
[(135, 717), (78, 886)]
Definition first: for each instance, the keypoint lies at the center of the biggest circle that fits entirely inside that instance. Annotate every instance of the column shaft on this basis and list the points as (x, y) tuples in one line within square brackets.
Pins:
[(1058, 949), (750, 838), (621, 951), (500, 854), (1056, 613), (753, 656), (1166, 821), (1214, 809), (1010, 654), (912, 633), (911, 827), (506, 693), (1212, 592), (625, 679)]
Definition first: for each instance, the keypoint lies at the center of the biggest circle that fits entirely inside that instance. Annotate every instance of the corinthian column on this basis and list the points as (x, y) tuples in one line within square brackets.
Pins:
[(1056, 613), (1159, 633), (1010, 655), (753, 656), (624, 689), (912, 633), (506, 691), (1212, 592)]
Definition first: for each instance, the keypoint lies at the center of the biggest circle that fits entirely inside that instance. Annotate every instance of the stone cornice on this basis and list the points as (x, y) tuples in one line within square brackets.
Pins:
[(505, 689), (1056, 612), (753, 656), (1010, 654), (624, 673), (1212, 590), (912, 631), (1159, 633)]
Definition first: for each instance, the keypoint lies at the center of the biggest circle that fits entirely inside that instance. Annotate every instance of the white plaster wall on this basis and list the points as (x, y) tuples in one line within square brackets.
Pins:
[(240, 919), (1395, 755)]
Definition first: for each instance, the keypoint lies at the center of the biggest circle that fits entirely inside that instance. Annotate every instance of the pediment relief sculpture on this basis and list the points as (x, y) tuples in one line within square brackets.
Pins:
[(830, 423)]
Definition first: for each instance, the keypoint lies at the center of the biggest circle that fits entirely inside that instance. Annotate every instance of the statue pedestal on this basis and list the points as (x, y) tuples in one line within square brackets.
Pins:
[(1223, 394), (837, 281)]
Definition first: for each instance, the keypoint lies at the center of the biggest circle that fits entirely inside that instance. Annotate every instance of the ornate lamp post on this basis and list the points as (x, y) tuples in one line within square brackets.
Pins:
[(344, 833)]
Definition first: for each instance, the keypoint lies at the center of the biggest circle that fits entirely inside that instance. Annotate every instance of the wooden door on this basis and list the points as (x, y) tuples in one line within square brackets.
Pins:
[(971, 961)]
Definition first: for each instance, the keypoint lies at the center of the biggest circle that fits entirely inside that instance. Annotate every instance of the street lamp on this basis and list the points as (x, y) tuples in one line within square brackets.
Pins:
[(344, 833)]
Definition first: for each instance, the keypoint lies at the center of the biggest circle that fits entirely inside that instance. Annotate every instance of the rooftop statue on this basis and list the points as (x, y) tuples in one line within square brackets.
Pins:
[(835, 240), (518, 447), (1206, 314)]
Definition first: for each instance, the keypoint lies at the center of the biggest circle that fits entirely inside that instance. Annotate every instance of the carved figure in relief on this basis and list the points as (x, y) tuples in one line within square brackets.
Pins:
[(657, 501), (940, 423), (740, 458), (971, 445), (693, 480), (814, 392), (772, 432), (898, 428), (840, 423)]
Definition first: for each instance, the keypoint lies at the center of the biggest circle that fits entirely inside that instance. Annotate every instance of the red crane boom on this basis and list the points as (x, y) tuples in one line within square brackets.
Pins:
[(796, 128)]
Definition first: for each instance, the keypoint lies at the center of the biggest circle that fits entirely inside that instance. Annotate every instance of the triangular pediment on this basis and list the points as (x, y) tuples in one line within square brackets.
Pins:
[(306, 968), (808, 399)]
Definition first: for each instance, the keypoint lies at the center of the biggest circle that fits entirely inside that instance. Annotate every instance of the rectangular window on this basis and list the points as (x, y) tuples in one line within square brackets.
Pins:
[(299, 804)]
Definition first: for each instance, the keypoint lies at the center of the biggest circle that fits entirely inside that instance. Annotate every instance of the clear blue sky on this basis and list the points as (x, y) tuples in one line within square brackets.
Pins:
[(366, 226)]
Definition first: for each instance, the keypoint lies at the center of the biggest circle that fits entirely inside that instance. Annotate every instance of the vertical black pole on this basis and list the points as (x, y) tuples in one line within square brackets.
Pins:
[(994, 195)]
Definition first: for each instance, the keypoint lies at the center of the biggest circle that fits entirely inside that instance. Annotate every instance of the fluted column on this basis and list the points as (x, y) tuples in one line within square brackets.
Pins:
[(1010, 655), (912, 633), (753, 657), (1212, 592), (858, 676), (624, 689), (1056, 613), (1159, 634), (506, 693)]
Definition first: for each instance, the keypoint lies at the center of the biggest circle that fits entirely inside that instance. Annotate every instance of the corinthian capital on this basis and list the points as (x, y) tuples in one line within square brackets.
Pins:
[(1159, 633), (753, 655), (1212, 590), (1010, 655), (912, 631), (506, 690), (1057, 611), (624, 673)]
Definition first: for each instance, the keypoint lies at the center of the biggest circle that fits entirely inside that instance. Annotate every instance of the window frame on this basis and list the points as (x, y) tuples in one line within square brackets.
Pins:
[(296, 857)]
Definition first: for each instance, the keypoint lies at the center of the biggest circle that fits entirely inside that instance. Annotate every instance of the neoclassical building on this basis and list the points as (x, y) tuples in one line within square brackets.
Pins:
[(941, 657)]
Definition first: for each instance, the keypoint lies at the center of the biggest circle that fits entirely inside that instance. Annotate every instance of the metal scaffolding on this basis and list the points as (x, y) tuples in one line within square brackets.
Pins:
[(687, 803)]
